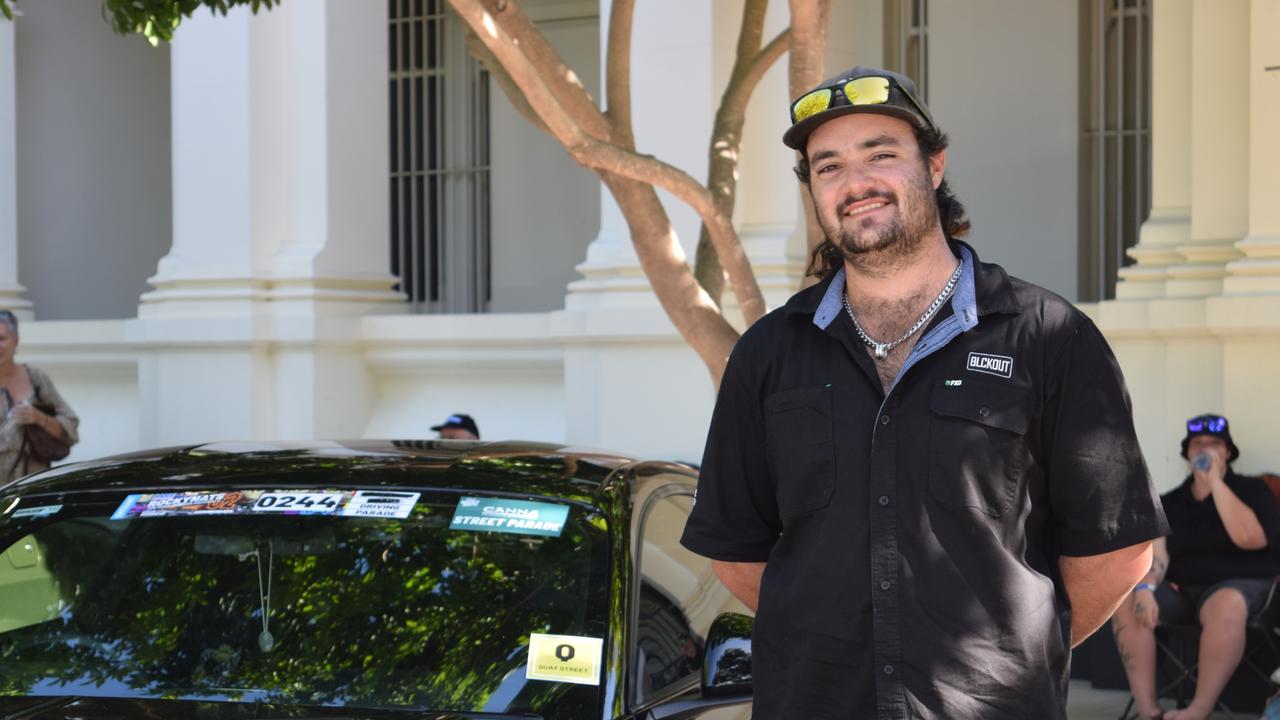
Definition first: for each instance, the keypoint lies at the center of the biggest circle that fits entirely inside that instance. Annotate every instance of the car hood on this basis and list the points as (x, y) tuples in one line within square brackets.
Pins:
[(85, 708)]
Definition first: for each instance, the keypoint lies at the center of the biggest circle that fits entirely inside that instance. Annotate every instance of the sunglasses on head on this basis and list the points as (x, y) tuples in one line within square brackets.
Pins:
[(869, 90), (1209, 423)]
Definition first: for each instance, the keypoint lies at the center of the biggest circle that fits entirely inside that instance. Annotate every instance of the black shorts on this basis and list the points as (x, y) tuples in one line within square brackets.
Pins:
[(1182, 605)]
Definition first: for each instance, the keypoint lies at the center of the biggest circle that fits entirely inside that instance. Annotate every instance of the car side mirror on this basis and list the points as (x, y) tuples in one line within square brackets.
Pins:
[(726, 671), (726, 668)]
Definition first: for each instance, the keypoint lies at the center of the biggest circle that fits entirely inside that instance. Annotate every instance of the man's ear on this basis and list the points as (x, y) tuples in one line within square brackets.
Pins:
[(938, 167)]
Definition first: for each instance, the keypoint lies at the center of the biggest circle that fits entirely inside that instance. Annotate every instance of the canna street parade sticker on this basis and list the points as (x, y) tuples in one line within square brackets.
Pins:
[(509, 516), (358, 503), (564, 658)]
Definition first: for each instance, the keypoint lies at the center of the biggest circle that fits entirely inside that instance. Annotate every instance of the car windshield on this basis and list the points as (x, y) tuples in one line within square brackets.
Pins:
[(212, 597)]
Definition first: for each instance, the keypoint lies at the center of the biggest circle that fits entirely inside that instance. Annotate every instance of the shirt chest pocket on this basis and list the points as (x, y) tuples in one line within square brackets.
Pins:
[(977, 445), (800, 450)]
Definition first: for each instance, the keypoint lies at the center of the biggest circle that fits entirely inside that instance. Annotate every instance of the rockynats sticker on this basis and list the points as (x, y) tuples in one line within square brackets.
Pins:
[(509, 516), (564, 658)]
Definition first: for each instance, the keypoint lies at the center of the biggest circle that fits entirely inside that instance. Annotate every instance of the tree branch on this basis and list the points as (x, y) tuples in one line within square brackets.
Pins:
[(809, 21), (749, 67), (559, 79), (618, 72), (481, 53), (593, 153)]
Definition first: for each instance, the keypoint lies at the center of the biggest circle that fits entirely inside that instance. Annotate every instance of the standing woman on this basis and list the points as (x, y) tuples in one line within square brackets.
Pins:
[(23, 391)]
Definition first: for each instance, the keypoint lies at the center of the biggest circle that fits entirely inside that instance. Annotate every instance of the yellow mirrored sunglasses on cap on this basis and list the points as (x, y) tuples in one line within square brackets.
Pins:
[(868, 90)]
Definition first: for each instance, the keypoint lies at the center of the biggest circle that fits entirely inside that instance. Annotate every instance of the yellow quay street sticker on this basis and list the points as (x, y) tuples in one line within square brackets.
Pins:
[(564, 658)]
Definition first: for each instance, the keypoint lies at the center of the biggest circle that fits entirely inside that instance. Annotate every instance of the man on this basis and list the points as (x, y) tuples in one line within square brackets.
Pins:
[(458, 427), (921, 472), (1215, 569)]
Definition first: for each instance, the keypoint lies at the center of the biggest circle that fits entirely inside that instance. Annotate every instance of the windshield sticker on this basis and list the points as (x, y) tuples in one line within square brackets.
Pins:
[(39, 511), (509, 516), (299, 502), (183, 503), (564, 658), (381, 504), (348, 503)]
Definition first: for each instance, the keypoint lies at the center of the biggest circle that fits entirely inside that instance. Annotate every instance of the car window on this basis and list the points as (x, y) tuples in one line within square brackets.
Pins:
[(678, 598), (299, 609)]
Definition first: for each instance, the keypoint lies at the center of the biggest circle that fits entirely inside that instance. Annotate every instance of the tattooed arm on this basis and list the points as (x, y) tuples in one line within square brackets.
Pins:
[(1144, 600)]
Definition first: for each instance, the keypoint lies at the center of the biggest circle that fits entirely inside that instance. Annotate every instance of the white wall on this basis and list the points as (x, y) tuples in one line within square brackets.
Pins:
[(93, 161), (1003, 84), (545, 207)]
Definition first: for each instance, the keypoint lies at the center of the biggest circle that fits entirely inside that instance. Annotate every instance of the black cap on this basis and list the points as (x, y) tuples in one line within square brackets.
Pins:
[(458, 420), (1213, 426), (904, 103)]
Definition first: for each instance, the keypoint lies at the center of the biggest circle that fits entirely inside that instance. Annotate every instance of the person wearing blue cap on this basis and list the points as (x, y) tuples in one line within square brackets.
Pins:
[(1215, 569), (458, 427)]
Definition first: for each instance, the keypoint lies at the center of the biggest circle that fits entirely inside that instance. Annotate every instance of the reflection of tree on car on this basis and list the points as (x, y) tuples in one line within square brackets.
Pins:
[(343, 611)]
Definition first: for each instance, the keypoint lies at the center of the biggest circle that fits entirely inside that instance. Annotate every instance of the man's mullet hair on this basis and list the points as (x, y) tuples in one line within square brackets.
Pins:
[(827, 257)]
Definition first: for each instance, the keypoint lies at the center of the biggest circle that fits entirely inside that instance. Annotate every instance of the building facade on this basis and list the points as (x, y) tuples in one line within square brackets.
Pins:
[(325, 221)]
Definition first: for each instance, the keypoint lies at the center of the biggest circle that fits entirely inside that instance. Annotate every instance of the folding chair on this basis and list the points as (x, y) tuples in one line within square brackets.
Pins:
[(1177, 658)]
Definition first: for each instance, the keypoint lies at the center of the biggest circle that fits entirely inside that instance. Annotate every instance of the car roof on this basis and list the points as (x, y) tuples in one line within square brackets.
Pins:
[(508, 467)]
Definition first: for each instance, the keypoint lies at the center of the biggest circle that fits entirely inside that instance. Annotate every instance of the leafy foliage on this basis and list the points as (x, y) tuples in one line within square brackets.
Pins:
[(156, 19), (383, 613)]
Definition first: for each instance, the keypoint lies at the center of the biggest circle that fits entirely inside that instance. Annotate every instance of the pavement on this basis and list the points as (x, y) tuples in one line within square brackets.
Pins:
[(1087, 703)]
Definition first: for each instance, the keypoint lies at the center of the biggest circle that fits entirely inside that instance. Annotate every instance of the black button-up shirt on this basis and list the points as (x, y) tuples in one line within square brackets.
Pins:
[(912, 539), (1201, 551)]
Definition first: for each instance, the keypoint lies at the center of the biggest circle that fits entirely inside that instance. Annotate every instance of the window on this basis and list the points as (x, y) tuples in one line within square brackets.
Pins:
[(1116, 147), (679, 596), (439, 113), (907, 41)]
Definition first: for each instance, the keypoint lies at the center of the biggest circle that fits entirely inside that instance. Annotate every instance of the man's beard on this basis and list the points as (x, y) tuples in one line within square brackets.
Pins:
[(892, 244)]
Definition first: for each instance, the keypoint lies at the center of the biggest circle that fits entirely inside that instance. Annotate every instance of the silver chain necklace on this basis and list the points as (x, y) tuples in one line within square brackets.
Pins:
[(882, 349)]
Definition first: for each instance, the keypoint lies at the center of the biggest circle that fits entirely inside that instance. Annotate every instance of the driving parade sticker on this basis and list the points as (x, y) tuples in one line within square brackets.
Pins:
[(347, 503), (564, 658), (509, 516)]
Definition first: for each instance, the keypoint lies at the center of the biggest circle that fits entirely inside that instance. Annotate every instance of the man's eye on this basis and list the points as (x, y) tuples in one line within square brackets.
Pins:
[(881, 156), (824, 168)]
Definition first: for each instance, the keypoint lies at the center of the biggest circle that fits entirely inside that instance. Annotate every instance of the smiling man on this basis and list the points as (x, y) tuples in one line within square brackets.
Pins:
[(921, 472)]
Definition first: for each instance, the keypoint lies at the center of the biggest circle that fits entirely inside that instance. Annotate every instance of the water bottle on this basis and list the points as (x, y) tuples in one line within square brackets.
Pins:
[(1202, 462)]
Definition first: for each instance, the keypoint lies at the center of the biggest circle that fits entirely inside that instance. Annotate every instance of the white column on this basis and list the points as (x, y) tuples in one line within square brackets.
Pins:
[(10, 291), (280, 173), (215, 266), (1259, 270), (673, 100), (613, 331), (1169, 226), (1219, 100), (280, 182)]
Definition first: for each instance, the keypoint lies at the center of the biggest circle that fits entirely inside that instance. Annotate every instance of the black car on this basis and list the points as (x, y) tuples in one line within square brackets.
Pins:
[(367, 579)]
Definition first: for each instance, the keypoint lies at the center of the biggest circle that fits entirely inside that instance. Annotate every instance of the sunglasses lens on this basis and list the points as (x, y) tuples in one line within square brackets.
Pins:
[(867, 91), (1217, 424), (1195, 425), (810, 105)]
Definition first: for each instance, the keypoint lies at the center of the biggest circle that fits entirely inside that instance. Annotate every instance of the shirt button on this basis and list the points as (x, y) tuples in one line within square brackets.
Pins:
[(884, 584), (984, 411), (888, 669), (884, 499), (884, 419)]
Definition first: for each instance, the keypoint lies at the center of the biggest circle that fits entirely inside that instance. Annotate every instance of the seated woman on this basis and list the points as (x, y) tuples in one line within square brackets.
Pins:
[(1216, 567)]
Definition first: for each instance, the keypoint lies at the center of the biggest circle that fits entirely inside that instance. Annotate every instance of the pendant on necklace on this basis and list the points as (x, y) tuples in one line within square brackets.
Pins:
[(882, 352), (266, 641)]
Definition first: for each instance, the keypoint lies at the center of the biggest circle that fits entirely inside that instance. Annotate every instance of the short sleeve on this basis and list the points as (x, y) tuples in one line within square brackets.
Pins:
[(1100, 490), (735, 515), (1254, 492)]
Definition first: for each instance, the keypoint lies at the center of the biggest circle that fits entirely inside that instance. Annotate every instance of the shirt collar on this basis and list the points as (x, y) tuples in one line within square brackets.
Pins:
[(981, 290)]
